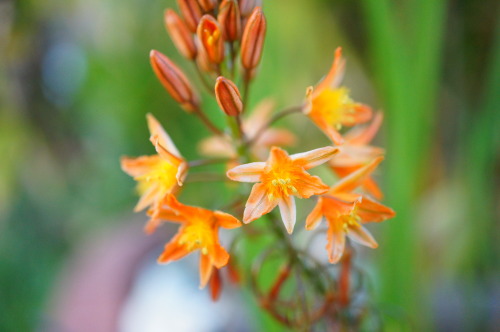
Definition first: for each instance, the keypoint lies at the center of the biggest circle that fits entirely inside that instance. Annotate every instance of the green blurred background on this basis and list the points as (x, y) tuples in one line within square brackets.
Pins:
[(75, 85)]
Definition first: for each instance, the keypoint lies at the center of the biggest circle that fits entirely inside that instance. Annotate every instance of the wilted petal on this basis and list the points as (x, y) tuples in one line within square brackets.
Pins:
[(247, 172), (359, 234), (354, 180), (181, 173), (314, 218), (163, 152), (215, 285), (314, 157), (288, 212), (258, 204)]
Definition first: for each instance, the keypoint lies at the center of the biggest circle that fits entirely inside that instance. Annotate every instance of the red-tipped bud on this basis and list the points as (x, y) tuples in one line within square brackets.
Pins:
[(228, 96), (253, 39), (191, 12), (174, 81), (207, 5), (180, 34), (230, 20), (215, 285), (210, 35), (247, 6)]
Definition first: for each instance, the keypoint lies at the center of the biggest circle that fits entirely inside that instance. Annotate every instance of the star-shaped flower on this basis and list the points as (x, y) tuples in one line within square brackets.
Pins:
[(345, 212), (157, 175), (198, 231), (279, 179), (329, 106)]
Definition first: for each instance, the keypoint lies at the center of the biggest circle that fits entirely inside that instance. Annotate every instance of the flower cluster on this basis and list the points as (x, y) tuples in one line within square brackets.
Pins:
[(225, 40)]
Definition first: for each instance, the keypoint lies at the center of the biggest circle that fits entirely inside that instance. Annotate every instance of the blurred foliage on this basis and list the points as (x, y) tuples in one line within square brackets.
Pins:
[(75, 84)]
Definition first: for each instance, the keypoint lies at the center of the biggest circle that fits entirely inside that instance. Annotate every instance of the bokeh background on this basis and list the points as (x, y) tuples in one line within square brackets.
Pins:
[(75, 85)]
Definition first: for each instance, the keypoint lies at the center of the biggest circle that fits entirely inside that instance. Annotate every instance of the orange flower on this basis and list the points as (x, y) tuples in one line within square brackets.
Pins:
[(345, 211), (329, 105), (217, 146), (279, 179), (157, 175), (198, 231), (355, 153)]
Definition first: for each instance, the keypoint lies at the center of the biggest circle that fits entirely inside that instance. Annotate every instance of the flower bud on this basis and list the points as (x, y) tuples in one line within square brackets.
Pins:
[(207, 5), (228, 96), (210, 36), (253, 39), (191, 12), (230, 20), (180, 34), (174, 81)]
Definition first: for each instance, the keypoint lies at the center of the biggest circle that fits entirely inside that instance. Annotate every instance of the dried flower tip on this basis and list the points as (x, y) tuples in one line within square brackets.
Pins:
[(215, 284), (180, 34), (228, 96), (174, 81), (247, 6), (212, 41), (191, 12), (253, 39), (230, 20), (207, 5)]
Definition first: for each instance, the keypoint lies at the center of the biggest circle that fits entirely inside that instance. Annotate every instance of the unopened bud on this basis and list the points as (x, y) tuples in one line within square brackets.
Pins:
[(174, 81), (191, 12), (210, 36), (207, 5), (215, 285), (228, 96), (230, 20), (253, 39), (180, 34)]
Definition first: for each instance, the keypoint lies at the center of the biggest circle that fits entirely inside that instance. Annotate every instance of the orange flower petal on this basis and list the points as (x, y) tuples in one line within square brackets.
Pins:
[(359, 234), (225, 220), (215, 285), (288, 212), (148, 197), (364, 135), (163, 152), (314, 157), (247, 172), (173, 250), (309, 185), (156, 129), (354, 180), (372, 211), (138, 166), (206, 268), (360, 113), (335, 243), (219, 256), (335, 74), (258, 204), (316, 216)]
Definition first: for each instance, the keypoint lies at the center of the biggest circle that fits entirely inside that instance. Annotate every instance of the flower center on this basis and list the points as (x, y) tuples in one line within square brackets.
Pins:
[(198, 235), (162, 174), (280, 182), (333, 106)]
